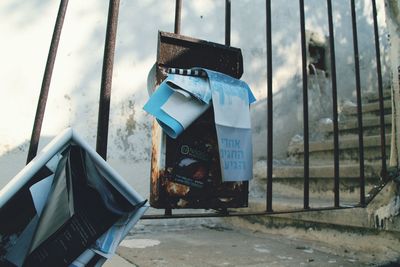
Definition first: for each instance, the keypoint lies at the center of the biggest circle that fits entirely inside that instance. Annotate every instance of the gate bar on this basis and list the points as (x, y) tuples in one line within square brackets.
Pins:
[(177, 30), (380, 91), (44, 91), (359, 104), (106, 79), (178, 12), (228, 22), (269, 106), (237, 214), (334, 104), (305, 107)]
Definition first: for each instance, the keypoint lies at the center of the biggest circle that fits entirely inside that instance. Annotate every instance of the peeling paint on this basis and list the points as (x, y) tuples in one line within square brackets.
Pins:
[(387, 212)]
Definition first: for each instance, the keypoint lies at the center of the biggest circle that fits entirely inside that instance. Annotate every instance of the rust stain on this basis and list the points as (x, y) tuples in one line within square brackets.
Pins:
[(155, 171)]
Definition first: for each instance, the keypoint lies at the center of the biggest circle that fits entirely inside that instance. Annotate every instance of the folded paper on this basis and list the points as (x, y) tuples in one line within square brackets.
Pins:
[(176, 104), (65, 207)]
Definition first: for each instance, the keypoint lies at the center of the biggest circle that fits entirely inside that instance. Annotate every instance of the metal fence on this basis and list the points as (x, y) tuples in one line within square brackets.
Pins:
[(104, 107)]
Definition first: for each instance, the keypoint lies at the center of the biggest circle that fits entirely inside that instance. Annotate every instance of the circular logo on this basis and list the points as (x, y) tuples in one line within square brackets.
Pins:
[(185, 149)]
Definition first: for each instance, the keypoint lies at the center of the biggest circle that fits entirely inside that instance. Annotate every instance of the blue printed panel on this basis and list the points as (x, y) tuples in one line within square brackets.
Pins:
[(235, 150)]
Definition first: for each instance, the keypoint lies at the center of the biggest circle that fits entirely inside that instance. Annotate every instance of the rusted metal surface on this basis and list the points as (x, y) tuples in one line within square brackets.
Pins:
[(177, 51), (44, 91), (106, 79), (157, 161), (197, 185)]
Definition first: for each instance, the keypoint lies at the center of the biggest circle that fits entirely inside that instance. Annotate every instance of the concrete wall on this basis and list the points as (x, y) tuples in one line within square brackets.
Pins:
[(26, 28), (393, 22), (288, 98)]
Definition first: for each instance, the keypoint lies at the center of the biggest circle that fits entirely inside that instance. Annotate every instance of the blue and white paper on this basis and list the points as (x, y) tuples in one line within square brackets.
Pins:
[(178, 102), (231, 99), (196, 86), (181, 99)]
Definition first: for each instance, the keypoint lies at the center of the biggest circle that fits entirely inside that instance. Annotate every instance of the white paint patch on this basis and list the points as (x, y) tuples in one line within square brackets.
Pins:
[(261, 249), (390, 210), (139, 243), (308, 250), (285, 257)]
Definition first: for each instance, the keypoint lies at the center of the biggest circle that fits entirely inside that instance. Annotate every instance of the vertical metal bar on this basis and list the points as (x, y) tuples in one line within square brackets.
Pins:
[(306, 202), (359, 103), (44, 90), (228, 22), (269, 106), (380, 91), (177, 30), (106, 79), (178, 9), (334, 100)]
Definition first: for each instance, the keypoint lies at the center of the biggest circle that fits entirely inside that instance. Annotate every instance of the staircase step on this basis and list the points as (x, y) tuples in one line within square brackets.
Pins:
[(352, 124), (326, 171), (367, 108), (289, 179), (323, 150), (346, 170), (344, 143), (374, 96)]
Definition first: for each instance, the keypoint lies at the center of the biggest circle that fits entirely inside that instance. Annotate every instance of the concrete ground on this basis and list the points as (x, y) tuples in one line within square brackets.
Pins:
[(213, 242)]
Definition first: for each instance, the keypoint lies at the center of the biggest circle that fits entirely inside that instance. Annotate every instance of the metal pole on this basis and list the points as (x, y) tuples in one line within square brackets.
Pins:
[(380, 92), (305, 108), (44, 91), (178, 9), (228, 22), (334, 100), (177, 30), (106, 79), (359, 104), (269, 106)]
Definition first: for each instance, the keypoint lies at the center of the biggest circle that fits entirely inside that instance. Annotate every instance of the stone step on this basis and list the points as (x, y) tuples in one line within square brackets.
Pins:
[(349, 142), (346, 170), (288, 181), (373, 107), (348, 146), (371, 124), (374, 96)]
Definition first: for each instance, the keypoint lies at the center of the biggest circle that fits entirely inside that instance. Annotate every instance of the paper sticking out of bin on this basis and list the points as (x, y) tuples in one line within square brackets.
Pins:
[(186, 94), (67, 207)]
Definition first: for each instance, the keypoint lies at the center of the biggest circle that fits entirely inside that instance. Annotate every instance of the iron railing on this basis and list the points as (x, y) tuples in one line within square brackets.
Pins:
[(104, 105)]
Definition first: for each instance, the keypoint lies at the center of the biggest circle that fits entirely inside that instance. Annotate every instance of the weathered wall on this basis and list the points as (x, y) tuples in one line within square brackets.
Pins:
[(393, 23), (288, 109), (26, 28)]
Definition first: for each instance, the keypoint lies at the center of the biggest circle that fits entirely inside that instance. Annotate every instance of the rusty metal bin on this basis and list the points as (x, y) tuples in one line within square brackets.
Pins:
[(185, 172)]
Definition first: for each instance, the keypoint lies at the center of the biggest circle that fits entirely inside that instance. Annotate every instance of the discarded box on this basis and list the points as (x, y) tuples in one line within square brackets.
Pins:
[(185, 171), (67, 207)]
